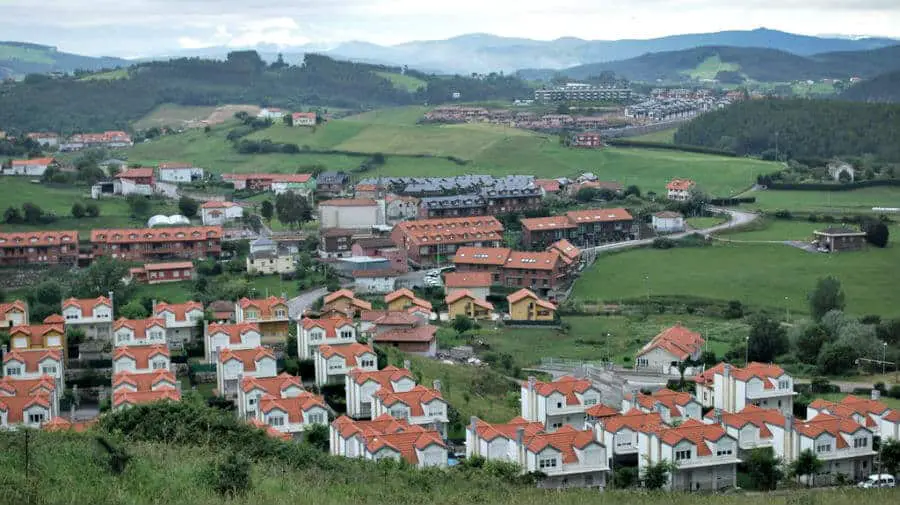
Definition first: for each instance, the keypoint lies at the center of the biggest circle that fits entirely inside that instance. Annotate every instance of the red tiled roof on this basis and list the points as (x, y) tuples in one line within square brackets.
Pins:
[(27, 387), (465, 293), (150, 267), (266, 306), (390, 318), (32, 358), (141, 354), (350, 352), (457, 230), (294, 406), (273, 386), (349, 202), (144, 381), (668, 398), (525, 293), (329, 324), (135, 173), (423, 333), (388, 298), (54, 319), (405, 442), (468, 279), (598, 215), (567, 386), (381, 425), (481, 256), (139, 326), (415, 398), (297, 115), (215, 204), (549, 185), (565, 440), (125, 397), (36, 332), (757, 416), (33, 161), (864, 405), (488, 431), (532, 260), (385, 376), (249, 357), (38, 238), (826, 423), (87, 305), (547, 223), (762, 371), (566, 249), (695, 432), (16, 304), (346, 293), (601, 411), (146, 235), (234, 331), (15, 406), (679, 184), (270, 431), (179, 310), (677, 340)]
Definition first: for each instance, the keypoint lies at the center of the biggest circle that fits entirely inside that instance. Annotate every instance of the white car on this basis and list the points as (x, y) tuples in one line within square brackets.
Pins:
[(878, 480)]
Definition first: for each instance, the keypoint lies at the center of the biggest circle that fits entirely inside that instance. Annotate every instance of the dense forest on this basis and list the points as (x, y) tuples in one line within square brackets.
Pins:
[(70, 104), (801, 129), (884, 88)]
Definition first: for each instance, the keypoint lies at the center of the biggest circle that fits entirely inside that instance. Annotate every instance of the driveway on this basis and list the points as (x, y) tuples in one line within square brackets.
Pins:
[(298, 304)]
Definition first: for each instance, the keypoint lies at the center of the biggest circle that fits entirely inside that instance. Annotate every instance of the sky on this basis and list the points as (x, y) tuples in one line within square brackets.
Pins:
[(133, 28)]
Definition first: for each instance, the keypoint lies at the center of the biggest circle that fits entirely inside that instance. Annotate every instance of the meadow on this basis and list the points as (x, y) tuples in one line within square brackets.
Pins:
[(762, 275), (777, 229), (710, 67), (168, 114), (403, 81), (664, 136), (826, 202)]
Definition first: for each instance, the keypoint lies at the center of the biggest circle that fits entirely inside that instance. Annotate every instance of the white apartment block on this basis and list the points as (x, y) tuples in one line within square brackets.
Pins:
[(334, 362), (388, 438), (230, 336), (360, 386), (420, 406), (705, 456), (732, 388), (139, 332), (35, 364), (294, 414), (182, 320), (235, 364), (314, 333), (558, 403), (93, 316), (869, 412), (141, 359), (253, 389)]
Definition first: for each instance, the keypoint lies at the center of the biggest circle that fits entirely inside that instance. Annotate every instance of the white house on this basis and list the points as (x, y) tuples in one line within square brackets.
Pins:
[(871, 413), (254, 388), (420, 406), (280, 261), (216, 213), (619, 432), (679, 189), (270, 113), (568, 458), (179, 172), (374, 281), (131, 389), (386, 437), (333, 362), (314, 333), (350, 214), (34, 167), (755, 427), (35, 364), (360, 386), (182, 320), (303, 119), (558, 403), (843, 445), (499, 441), (141, 359), (136, 332), (672, 406), (293, 414), (27, 402), (668, 222), (347, 437), (230, 336), (14, 313), (235, 364), (672, 346), (732, 388), (93, 316), (704, 455)]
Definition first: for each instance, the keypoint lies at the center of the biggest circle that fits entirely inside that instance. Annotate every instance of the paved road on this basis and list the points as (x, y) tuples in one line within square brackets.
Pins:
[(298, 304), (737, 218)]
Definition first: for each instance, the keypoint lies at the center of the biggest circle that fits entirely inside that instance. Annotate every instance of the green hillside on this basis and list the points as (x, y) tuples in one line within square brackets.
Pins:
[(884, 88), (20, 58)]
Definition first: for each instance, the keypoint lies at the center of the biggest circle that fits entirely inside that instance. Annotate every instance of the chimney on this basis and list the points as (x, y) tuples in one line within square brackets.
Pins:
[(112, 302), (876, 394), (406, 364), (520, 445), (717, 415), (473, 423), (178, 386), (532, 381), (153, 308), (436, 384), (726, 370)]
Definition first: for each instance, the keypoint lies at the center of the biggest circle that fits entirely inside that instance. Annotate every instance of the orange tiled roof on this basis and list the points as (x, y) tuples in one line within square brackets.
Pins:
[(266, 306), (762, 371), (677, 340), (139, 326), (32, 358), (27, 387), (532, 260), (415, 398), (294, 406), (273, 386), (548, 185), (826, 423), (405, 442), (668, 398), (135, 173), (695, 432), (566, 249), (481, 256), (566, 385), (864, 405), (350, 352), (422, 334), (457, 230), (346, 293), (33, 161), (329, 324), (215, 204), (36, 332), (467, 279), (144, 381), (465, 293), (679, 184), (385, 377), (526, 293), (488, 431), (141, 354), (249, 357), (600, 411), (598, 215), (404, 292), (38, 238), (179, 310), (565, 440), (16, 304), (15, 406), (125, 397), (757, 416), (149, 235), (235, 332), (63, 424), (87, 305), (547, 223), (382, 424)]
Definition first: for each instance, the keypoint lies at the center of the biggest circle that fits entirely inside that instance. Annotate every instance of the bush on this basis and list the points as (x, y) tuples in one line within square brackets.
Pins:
[(230, 477), (894, 392), (663, 243), (783, 214)]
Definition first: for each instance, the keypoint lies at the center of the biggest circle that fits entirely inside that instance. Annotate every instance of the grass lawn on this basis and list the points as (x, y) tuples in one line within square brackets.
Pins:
[(755, 274), (605, 337), (708, 68), (826, 202), (119, 73), (777, 229), (403, 81), (172, 115), (700, 223), (664, 136)]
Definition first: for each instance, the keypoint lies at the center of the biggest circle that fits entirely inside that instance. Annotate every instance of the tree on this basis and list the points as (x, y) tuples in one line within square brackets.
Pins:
[(46, 293), (12, 215), (31, 213), (267, 210), (134, 310), (768, 339), (188, 206), (586, 194), (763, 469), (78, 210), (807, 464), (877, 233), (104, 275), (656, 476), (827, 296), (836, 358), (92, 210), (139, 206), (810, 342), (462, 324), (890, 456), (633, 190), (317, 436), (292, 208)]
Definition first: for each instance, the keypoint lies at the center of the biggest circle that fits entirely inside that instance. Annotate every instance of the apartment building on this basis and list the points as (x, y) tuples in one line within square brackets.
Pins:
[(28, 403), (131, 389), (869, 412), (558, 403), (334, 362), (842, 444), (619, 432), (148, 244), (704, 455), (314, 333), (419, 406), (360, 386), (578, 92), (430, 242), (583, 228), (93, 316), (732, 388), (39, 247), (183, 321), (541, 272)]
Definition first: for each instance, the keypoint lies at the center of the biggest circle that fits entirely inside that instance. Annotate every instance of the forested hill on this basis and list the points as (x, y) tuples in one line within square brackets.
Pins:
[(884, 88), (20, 58), (805, 129), (70, 104)]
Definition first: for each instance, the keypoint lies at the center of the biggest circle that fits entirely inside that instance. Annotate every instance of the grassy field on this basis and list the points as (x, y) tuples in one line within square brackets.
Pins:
[(403, 81), (708, 68), (119, 73), (755, 274), (777, 229), (700, 223), (664, 136), (827, 202), (603, 338), (173, 116), (27, 54)]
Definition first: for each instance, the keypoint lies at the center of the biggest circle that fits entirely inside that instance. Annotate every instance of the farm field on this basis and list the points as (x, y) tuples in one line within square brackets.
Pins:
[(826, 202), (768, 275), (710, 67), (778, 229), (700, 223), (169, 114), (664, 136), (402, 81)]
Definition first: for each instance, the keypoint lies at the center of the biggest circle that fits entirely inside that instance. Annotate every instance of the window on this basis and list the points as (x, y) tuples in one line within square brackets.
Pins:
[(252, 314), (156, 335), (367, 363), (435, 411), (159, 365), (398, 413), (784, 384), (252, 400), (276, 421), (590, 401), (346, 334), (823, 448), (547, 463), (860, 442), (559, 405), (71, 316), (556, 425), (14, 371), (49, 370), (316, 419), (35, 418), (682, 455), (724, 452), (280, 313)]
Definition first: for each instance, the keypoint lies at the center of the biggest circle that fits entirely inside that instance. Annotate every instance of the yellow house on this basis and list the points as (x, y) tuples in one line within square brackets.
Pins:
[(464, 303), (344, 302), (50, 335), (524, 305), (13, 314), (403, 299), (271, 314)]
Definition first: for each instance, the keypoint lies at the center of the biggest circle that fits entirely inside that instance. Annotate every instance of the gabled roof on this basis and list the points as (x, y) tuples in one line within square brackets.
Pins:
[(273, 386), (126, 397), (32, 358), (135, 173), (424, 334), (468, 279), (679, 184), (346, 293), (141, 354), (404, 292), (144, 381), (695, 432), (382, 424), (235, 332), (864, 405), (249, 357), (139, 326), (33, 161), (525, 293), (634, 420), (565, 440), (415, 398), (457, 230), (465, 293), (767, 373), (385, 377), (601, 411), (509, 431), (832, 425), (14, 305), (547, 223), (215, 204), (36, 332), (328, 324), (598, 215), (757, 416), (266, 306), (26, 387), (405, 443), (566, 386), (350, 352), (677, 341), (548, 185), (294, 406), (152, 235), (15, 406), (668, 398), (566, 249), (179, 310), (481, 256), (532, 260)]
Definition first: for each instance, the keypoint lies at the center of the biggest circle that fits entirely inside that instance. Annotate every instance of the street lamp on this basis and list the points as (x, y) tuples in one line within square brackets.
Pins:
[(747, 350), (787, 306), (647, 283), (883, 356)]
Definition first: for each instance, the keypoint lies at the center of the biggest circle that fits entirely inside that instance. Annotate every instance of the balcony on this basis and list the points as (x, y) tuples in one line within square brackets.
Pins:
[(769, 393), (573, 468), (696, 462)]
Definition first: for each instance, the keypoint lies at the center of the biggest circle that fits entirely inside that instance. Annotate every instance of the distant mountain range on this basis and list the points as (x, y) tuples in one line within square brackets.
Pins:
[(736, 64), (20, 58), (489, 53)]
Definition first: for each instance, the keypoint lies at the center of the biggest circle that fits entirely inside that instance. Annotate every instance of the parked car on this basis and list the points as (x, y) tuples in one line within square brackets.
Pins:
[(878, 480)]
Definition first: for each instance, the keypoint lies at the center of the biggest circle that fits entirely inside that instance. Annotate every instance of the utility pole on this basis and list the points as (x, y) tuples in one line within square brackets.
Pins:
[(747, 351), (883, 356)]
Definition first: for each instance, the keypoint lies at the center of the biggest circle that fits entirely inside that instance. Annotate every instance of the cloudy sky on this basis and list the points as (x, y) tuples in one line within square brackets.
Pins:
[(152, 27)]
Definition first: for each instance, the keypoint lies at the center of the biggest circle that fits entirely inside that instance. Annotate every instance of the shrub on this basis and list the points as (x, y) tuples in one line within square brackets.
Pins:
[(663, 243), (230, 477), (783, 214)]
